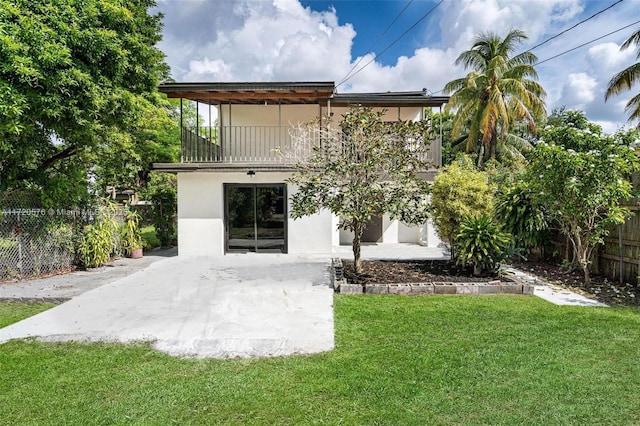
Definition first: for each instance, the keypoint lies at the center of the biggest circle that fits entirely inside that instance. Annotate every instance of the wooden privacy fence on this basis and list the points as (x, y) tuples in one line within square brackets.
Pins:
[(619, 258)]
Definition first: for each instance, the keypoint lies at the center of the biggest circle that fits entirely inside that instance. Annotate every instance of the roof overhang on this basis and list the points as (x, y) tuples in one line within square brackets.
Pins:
[(221, 167), (251, 93), (390, 99), (294, 93)]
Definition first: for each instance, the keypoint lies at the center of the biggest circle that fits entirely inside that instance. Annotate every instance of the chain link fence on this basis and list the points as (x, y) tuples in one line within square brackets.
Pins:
[(36, 241)]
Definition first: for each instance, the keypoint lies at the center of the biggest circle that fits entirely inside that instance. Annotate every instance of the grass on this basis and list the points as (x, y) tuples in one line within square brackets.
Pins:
[(11, 312), (398, 360)]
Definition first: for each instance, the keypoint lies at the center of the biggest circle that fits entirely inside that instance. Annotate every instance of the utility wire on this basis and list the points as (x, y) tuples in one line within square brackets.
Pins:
[(377, 40), (392, 43), (579, 23), (589, 42)]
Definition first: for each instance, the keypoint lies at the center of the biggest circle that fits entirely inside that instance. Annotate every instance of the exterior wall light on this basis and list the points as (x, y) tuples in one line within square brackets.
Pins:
[(251, 174)]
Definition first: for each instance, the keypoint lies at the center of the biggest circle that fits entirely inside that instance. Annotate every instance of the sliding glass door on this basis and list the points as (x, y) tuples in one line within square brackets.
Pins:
[(255, 218)]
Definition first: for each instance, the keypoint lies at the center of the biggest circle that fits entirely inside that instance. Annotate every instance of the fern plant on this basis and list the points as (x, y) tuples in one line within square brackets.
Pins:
[(481, 243)]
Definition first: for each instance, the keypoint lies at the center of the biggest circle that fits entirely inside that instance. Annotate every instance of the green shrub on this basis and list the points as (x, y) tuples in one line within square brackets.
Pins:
[(521, 217), (481, 243), (131, 236), (459, 191), (150, 238), (162, 191), (100, 239)]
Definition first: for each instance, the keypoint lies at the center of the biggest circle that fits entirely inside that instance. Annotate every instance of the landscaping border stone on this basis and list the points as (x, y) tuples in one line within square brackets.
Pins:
[(506, 285)]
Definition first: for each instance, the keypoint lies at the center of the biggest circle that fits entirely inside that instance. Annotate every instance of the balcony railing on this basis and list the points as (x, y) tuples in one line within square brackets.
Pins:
[(264, 145)]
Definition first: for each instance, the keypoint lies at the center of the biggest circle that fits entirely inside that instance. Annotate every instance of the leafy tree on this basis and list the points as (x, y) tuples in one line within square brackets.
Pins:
[(364, 167), (459, 191), (500, 92), (627, 78), (578, 174), (125, 160), (74, 76)]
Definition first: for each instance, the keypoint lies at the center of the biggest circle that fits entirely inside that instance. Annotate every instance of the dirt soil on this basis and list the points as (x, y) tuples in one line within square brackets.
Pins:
[(394, 272), (611, 293)]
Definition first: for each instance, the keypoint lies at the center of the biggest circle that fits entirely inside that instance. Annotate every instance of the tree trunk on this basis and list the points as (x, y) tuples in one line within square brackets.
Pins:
[(587, 277), (582, 253), (355, 245)]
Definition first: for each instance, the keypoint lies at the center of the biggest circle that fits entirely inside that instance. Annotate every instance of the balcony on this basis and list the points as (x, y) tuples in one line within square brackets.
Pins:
[(260, 145)]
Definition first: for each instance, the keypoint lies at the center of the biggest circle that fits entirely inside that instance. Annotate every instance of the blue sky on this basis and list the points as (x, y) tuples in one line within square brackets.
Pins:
[(307, 40)]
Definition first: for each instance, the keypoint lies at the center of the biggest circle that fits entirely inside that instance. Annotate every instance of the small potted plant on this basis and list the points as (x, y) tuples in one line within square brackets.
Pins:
[(132, 240)]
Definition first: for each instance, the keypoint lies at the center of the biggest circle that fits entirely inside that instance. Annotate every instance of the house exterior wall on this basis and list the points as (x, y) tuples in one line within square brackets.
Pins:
[(391, 113), (267, 115), (291, 115), (394, 231), (201, 230), (201, 209)]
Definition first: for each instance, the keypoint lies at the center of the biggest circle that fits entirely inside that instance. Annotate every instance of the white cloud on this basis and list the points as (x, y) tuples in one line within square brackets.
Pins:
[(578, 90), (200, 70), (280, 40)]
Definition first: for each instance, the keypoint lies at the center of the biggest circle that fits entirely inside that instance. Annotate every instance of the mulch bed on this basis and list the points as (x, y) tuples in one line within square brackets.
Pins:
[(611, 293), (395, 272)]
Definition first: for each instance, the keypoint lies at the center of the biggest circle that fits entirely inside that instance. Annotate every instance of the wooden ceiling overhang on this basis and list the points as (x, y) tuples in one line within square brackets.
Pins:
[(272, 93), (251, 93)]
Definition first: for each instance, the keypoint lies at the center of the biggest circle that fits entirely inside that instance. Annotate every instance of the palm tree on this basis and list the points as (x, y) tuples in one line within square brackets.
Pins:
[(498, 93), (627, 78)]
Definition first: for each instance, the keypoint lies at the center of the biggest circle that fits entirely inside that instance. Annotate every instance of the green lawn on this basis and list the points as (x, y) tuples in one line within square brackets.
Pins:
[(11, 312), (398, 361)]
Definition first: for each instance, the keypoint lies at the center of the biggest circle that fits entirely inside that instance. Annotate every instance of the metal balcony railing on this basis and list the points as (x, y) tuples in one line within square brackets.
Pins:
[(264, 145)]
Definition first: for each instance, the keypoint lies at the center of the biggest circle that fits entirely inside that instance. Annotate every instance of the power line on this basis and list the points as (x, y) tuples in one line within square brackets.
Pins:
[(377, 40), (574, 26), (589, 42), (392, 43)]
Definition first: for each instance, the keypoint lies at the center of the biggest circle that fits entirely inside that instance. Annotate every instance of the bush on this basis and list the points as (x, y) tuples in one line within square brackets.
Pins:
[(131, 236), (459, 191), (162, 191), (521, 217), (150, 238), (100, 239), (481, 243)]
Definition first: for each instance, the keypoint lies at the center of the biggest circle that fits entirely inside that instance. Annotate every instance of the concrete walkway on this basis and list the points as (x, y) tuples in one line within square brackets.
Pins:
[(63, 287), (399, 251), (552, 293), (233, 306)]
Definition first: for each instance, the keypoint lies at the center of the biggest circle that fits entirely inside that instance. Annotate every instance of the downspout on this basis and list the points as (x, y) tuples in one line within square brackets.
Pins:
[(230, 138), (280, 122), (181, 134), (221, 136), (441, 137), (197, 128)]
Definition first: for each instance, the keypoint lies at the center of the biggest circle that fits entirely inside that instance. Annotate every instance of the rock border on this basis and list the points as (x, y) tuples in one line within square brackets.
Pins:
[(56, 300), (508, 286)]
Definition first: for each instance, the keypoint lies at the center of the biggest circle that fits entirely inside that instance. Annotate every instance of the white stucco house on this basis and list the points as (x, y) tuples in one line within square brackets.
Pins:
[(232, 189)]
